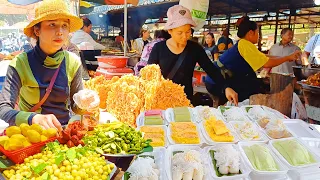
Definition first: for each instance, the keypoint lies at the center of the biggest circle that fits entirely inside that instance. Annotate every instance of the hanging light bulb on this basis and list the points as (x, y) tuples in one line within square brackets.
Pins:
[(317, 2)]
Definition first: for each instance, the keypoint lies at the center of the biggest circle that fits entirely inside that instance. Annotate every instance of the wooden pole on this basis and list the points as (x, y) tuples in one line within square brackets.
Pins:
[(260, 38), (125, 28), (276, 31)]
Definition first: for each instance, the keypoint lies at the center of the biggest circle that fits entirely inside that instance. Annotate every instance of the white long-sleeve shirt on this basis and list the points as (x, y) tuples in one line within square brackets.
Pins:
[(80, 36)]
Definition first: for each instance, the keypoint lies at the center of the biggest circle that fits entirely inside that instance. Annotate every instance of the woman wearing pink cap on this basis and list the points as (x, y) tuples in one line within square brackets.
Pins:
[(178, 56)]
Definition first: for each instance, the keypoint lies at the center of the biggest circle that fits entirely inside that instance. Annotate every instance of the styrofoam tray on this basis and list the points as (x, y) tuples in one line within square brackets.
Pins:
[(171, 141), (246, 111), (266, 133), (283, 169), (140, 119), (210, 141), (159, 155), (165, 128), (243, 167), (243, 115), (275, 112), (315, 156), (263, 137), (173, 148), (169, 114), (300, 128), (313, 143), (215, 112)]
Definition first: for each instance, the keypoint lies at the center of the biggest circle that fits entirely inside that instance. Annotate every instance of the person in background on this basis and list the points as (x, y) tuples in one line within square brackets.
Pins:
[(83, 35), (178, 56), (210, 47), (239, 64), (284, 48), (308, 56), (139, 43), (30, 74), (159, 35), (119, 38), (224, 42)]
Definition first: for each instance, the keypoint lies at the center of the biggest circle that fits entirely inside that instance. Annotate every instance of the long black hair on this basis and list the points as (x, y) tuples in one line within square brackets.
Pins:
[(245, 25), (213, 42)]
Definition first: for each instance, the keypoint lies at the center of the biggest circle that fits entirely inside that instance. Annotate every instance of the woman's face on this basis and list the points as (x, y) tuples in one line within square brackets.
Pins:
[(287, 37), (254, 36), (146, 34), (181, 34), (52, 34), (209, 39)]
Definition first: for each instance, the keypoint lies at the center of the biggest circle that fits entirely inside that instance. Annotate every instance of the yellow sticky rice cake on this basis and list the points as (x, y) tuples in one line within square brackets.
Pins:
[(184, 133), (156, 134), (218, 131)]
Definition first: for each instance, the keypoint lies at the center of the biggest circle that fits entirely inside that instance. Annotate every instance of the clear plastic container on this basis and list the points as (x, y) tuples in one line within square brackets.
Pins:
[(213, 111), (315, 156), (165, 128), (245, 171), (253, 118), (210, 141), (140, 119), (175, 148), (290, 134), (300, 128), (283, 169), (277, 114), (171, 141), (169, 115), (313, 143), (263, 137), (242, 114)]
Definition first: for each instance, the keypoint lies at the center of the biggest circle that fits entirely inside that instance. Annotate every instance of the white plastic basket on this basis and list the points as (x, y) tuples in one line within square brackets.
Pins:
[(316, 157), (140, 119), (165, 128), (210, 141), (174, 148), (263, 137), (282, 168), (171, 141), (243, 116), (243, 167)]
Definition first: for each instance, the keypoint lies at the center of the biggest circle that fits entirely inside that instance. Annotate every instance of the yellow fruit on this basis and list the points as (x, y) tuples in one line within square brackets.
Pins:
[(33, 136), (12, 130), (24, 128), (43, 138), (13, 144), (37, 128), (3, 139), (20, 137), (51, 132), (26, 143)]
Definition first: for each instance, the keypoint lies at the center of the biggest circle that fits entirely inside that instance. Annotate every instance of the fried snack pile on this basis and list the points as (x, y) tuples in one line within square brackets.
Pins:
[(128, 96), (314, 80)]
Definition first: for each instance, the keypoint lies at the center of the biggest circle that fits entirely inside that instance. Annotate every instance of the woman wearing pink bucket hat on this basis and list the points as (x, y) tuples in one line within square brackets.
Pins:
[(178, 56)]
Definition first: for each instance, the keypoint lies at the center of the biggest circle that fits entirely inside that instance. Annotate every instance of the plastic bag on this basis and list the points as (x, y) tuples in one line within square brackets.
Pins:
[(3, 126), (298, 110), (87, 99), (199, 10)]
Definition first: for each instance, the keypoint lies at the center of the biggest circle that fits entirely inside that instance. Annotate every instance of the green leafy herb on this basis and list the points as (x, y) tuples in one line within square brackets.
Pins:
[(38, 169), (59, 158), (223, 109), (126, 176), (71, 154), (248, 108)]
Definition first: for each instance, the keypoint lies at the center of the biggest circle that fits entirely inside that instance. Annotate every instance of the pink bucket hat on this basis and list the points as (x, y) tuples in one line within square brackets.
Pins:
[(178, 16)]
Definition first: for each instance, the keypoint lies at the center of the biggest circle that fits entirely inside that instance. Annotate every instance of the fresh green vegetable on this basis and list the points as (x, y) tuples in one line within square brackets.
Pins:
[(223, 109), (248, 108), (214, 162)]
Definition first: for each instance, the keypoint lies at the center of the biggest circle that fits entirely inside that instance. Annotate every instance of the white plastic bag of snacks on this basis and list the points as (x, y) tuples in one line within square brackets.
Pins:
[(3, 125), (298, 110), (198, 9), (87, 99)]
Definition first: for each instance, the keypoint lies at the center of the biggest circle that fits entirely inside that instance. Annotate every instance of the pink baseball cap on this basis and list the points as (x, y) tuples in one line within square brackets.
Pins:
[(178, 16)]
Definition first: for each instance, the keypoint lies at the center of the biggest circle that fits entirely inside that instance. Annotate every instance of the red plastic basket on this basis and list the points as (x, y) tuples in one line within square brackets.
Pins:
[(19, 155)]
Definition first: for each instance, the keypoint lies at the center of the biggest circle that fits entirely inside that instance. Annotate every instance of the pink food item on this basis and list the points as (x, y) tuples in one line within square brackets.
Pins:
[(153, 113)]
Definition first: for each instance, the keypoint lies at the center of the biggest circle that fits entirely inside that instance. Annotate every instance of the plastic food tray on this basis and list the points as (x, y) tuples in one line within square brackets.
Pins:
[(243, 167), (313, 143), (277, 114), (246, 111), (159, 155), (210, 141), (165, 128), (214, 111), (316, 157), (263, 137), (300, 128), (241, 111), (140, 119), (174, 148), (283, 169), (169, 115), (266, 133), (171, 141)]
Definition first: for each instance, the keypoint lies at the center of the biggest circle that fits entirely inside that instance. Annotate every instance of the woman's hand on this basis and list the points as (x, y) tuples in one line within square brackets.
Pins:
[(47, 121), (294, 56), (232, 96)]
